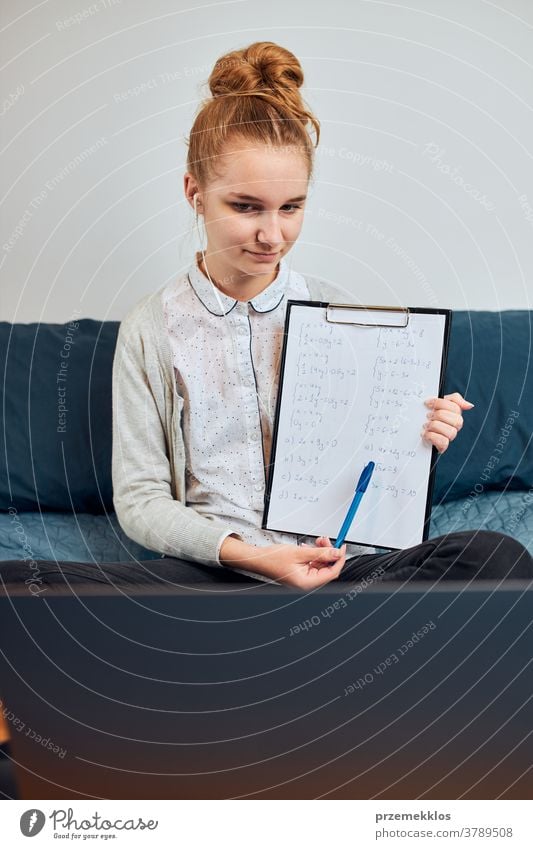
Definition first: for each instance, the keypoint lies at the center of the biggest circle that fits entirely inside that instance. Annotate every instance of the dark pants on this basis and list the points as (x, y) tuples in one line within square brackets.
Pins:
[(460, 556)]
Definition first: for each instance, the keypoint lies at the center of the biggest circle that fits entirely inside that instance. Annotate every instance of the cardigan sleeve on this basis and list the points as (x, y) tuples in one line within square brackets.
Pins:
[(142, 479)]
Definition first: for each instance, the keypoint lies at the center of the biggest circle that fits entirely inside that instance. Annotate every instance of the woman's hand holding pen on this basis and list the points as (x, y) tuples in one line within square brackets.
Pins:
[(444, 419), (305, 567)]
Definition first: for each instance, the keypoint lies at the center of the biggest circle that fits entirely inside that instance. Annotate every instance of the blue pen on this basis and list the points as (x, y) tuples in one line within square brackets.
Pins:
[(360, 490)]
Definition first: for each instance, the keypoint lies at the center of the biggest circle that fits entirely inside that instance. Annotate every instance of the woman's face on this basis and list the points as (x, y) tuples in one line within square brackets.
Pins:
[(253, 212)]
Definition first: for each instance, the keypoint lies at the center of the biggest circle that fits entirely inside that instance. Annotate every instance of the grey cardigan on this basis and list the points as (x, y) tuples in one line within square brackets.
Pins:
[(148, 457)]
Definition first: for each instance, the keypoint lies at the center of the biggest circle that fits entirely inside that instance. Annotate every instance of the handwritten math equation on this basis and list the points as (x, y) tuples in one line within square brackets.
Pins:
[(341, 398)]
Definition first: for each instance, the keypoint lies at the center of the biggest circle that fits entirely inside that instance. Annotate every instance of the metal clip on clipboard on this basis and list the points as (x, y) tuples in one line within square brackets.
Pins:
[(344, 314)]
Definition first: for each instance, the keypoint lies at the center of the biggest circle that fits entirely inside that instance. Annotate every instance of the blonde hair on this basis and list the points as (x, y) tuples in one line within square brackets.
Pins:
[(256, 98)]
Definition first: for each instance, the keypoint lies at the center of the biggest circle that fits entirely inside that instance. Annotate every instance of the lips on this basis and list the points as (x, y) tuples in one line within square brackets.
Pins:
[(264, 256)]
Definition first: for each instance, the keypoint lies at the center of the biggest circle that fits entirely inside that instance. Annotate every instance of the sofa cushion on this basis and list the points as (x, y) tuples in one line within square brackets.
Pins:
[(56, 440), (508, 513), (83, 538), (489, 363)]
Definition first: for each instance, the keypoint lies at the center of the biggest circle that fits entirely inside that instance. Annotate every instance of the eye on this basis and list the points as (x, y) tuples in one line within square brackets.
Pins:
[(243, 207), (248, 207)]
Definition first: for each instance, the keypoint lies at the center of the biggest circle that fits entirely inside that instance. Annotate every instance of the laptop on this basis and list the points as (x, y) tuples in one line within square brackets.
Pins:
[(398, 691)]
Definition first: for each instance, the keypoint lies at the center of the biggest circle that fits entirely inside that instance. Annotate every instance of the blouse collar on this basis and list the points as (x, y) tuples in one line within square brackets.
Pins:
[(265, 301)]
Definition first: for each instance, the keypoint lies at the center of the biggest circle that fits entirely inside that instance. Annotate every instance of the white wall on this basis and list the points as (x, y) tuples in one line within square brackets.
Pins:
[(424, 180)]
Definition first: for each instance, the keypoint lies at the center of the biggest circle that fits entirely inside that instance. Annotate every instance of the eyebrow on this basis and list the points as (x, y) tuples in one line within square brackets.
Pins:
[(251, 197)]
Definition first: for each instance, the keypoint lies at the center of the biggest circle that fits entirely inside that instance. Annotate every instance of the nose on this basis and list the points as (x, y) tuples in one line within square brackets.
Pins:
[(269, 233)]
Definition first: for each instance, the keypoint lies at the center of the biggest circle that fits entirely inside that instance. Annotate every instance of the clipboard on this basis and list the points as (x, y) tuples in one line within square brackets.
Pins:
[(352, 385)]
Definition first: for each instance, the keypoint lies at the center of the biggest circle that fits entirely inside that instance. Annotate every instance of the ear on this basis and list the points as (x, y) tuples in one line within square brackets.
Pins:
[(191, 190)]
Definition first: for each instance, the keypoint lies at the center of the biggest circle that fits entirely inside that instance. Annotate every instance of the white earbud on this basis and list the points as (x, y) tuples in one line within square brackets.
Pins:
[(215, 290)]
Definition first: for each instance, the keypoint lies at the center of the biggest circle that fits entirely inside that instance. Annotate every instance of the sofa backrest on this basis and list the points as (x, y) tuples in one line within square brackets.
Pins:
[(490, 362), (56, 387), (56, 441)]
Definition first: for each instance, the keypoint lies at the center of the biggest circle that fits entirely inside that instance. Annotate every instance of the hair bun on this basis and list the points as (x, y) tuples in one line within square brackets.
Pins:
[(277, 116), (261, 68)]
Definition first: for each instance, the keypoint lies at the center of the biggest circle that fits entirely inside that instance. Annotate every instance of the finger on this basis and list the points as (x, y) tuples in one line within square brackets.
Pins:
[(454, 402), (440, 441), (444, 404), (320, 542), (335, 565), (458, 399), (323, 542), (324, 576), (324, 556), (454, 419), (446, 430)]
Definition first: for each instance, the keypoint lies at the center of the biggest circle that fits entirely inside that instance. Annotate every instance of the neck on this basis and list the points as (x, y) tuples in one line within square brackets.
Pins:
[(242, 287)]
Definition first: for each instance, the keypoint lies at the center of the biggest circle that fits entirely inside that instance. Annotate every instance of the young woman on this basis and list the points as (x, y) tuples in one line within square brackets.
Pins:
[(196, 365)]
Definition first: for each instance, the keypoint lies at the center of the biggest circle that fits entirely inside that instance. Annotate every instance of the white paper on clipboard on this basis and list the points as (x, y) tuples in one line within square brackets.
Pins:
[(353, 388)]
